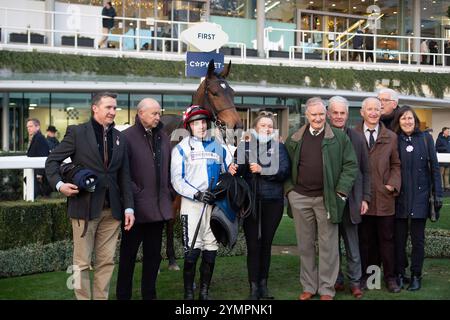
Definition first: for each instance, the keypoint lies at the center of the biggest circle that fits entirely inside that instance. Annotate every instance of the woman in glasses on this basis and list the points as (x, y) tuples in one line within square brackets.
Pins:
[(420, 175), (264, 163)]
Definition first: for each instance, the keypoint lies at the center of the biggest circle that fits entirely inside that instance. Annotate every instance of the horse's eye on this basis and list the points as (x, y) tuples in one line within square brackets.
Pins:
[(215, 94)]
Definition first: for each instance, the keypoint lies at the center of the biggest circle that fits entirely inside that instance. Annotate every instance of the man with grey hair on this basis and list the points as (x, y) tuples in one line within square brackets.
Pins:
[(149, 154), (324, 168), (376, 231), (389, 104), (358, 200)]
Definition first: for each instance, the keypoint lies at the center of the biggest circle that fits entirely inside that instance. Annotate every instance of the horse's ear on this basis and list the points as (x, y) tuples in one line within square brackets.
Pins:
[(226, 70), (211, 68)]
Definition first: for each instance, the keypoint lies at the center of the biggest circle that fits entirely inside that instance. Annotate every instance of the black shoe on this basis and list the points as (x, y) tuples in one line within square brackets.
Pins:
[(263, 291), (254, 291), (401, 280), (415, 284)]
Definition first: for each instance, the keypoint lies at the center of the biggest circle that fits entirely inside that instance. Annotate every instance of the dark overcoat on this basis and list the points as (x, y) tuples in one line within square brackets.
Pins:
[(420, 171), (150, 172)]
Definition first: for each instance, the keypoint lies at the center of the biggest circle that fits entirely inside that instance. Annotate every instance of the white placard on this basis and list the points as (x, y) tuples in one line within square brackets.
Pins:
[(205, 36)]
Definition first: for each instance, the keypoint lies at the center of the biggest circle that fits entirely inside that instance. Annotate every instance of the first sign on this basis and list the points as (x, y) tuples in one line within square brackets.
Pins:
[(205, 36)]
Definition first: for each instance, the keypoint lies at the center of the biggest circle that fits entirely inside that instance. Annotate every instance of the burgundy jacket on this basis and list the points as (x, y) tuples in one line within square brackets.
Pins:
[(150, 173)]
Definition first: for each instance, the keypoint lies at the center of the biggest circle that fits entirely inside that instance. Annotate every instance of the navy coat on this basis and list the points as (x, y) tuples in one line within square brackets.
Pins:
[(274, 173), (443, 144), (38, 148), (417, 179)]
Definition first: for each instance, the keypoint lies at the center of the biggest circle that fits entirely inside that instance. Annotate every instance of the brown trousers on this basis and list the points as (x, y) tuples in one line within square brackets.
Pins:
[(311, 222), (101, 238)]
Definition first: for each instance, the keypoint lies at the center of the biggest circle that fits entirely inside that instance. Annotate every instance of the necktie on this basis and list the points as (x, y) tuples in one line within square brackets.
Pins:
[(371, 138), (315, 132)]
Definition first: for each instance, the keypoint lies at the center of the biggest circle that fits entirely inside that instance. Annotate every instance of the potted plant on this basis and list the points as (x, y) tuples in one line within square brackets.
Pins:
[(23, 37), (81, 41)]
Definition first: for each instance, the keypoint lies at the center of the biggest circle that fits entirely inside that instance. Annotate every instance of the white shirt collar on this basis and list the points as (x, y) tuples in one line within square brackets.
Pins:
[(311, 130), (377, 128)]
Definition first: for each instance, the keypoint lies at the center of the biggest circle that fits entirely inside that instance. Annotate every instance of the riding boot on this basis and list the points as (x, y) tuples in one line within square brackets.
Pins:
[(206, 272), (263, 291), (190, 262), (254, 291), (415, 283)]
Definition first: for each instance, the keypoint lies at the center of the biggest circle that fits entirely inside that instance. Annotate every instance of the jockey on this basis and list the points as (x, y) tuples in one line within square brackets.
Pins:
[(197, 162)]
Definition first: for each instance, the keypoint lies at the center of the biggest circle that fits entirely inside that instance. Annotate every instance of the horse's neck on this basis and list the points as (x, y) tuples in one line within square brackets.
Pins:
[(200, 97)]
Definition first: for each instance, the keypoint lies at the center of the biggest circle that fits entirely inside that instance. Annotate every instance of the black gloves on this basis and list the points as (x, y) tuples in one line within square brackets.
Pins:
[(205, 197), (437, 204)]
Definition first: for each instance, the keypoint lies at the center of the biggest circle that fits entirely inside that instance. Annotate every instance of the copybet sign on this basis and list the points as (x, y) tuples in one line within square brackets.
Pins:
[(205, 36)]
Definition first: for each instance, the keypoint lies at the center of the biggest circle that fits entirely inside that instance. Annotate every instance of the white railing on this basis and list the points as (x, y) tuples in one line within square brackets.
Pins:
[(132, 38), (136, 32), (28, 165), (336, 52)]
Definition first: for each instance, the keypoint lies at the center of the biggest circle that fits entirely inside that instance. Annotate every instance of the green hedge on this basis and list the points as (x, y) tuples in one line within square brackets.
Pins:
[(57, 256), (409, 82), (23, 223), (11, 184)]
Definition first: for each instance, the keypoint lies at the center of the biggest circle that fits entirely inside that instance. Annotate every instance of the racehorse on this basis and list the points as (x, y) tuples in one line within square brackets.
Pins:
[(217, 97)]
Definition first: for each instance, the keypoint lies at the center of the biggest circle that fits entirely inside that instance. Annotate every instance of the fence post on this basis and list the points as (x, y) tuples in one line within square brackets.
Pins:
[(28, 185)]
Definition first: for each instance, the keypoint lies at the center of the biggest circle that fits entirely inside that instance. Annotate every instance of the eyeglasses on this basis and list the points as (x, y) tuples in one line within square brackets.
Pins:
[(266, 113), (386, 100)]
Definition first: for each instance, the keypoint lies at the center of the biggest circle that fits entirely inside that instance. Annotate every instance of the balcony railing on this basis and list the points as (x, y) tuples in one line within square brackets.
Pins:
[(152, 38)]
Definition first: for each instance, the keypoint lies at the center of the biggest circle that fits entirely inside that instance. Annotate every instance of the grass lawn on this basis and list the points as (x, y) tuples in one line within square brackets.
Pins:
[(285, 235), (229, 283), (230, 277)]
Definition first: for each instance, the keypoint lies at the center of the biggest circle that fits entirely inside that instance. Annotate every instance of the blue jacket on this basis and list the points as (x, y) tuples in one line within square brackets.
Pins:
[(417, 179), (269, 183), (443, 144)]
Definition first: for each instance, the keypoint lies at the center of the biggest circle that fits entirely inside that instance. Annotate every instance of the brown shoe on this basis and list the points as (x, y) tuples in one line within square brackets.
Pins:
[(392, 286), (339, 286), (306, 296), (326, 297), (356, 292)]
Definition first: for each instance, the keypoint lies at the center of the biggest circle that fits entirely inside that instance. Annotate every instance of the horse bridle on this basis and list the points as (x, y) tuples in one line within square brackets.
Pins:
[(219, 123)]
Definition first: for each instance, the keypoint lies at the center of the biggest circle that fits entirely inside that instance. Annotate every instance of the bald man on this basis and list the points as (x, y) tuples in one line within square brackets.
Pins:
[(149, 155)]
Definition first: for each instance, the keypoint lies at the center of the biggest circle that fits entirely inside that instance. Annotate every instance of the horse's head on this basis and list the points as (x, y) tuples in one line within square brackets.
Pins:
[(217, 96)]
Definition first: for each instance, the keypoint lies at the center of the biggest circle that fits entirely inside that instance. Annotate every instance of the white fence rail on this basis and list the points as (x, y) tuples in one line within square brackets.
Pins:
[(28, 165)]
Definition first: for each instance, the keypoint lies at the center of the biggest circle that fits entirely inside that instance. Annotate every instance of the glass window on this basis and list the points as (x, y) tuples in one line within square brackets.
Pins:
[(17, 128), (176, 104), (253, 100), (37, 105), (283, 11), (237, 100), (122, 116), (69, 109), (296, 113), (274, 101), (235, 8)]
